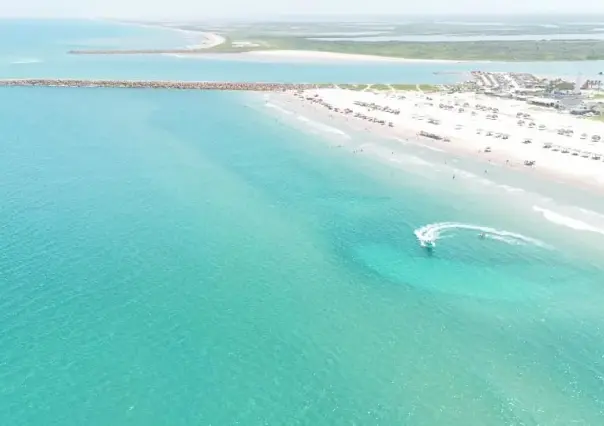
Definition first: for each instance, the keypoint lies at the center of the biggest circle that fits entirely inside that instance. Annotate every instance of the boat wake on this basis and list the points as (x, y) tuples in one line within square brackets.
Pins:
[(428, 235)]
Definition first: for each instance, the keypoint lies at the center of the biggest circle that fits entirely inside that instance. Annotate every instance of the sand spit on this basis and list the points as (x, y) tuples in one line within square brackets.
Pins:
[(311, 55), (154, 84), (279, 55)]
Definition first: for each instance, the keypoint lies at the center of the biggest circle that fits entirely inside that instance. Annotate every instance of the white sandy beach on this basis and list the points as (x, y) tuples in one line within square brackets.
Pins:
[(577, 157), (209, 40), (310, 55)]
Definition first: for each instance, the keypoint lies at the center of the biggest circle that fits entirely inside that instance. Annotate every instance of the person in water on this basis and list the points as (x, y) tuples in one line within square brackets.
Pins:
[(482, 235)]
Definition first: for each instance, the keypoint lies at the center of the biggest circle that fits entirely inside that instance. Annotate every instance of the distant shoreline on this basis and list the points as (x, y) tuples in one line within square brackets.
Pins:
[(210, 39), (301, 48), (296, 55), (216, 46)]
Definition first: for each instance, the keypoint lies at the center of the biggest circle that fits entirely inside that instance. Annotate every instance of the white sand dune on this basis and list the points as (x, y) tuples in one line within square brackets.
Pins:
[(309, 55), (210, 40)]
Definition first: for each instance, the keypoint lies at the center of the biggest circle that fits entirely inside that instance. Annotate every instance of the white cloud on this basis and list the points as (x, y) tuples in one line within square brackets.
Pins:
[(197, 9)]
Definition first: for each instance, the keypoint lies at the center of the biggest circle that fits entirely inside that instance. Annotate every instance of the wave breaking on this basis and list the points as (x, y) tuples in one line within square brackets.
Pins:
[(323, 127), (278, 108), (567, 221)]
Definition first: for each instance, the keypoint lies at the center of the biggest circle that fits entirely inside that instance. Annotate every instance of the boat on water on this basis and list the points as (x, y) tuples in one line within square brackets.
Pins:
[(428, 244)]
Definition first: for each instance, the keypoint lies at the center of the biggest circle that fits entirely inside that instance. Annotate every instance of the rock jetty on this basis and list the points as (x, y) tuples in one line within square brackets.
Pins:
[(155, 84)]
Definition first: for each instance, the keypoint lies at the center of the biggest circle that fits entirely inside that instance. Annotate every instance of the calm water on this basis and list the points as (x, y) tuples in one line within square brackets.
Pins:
[(178, 258)]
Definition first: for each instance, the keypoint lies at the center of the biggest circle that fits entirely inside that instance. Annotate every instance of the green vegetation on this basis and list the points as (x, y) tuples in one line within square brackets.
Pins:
[(381, 87), (354, 86), (599, 118), (544, 50), (407, 86), (422, 87), (404, 25)]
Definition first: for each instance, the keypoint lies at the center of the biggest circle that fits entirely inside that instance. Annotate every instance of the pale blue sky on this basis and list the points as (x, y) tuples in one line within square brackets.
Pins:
[(199, 9)]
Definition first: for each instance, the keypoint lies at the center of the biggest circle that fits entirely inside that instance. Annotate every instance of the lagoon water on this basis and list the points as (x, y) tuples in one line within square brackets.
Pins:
[(179, 258)]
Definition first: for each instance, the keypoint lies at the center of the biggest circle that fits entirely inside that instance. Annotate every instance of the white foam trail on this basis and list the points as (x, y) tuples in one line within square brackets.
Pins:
[(278, 108), (569, 222), (592, 213), (397, 157), (323, 127), (464, 174), (431, 148), (411, 160), (26, 61), (416, 160), (436, 231), (474, 177), (511, 188)]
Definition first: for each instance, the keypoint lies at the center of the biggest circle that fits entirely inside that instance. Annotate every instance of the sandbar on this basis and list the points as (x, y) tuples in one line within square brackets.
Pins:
[(310, 55)]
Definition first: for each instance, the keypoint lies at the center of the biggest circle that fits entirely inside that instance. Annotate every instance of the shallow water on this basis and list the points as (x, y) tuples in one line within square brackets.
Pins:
[(193, 258)]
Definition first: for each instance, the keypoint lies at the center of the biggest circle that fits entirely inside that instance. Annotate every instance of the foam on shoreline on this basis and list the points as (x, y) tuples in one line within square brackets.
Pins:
[(567, 221), (323, 127)]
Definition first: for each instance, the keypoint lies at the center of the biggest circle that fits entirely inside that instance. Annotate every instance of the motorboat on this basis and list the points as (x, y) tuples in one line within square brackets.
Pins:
[(427, 244)]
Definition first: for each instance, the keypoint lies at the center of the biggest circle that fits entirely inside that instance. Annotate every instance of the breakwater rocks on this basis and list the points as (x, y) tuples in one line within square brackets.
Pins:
[(155, 84)]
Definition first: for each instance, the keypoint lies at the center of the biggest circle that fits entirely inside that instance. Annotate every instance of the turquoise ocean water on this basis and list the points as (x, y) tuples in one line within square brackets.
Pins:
[(189, 258)]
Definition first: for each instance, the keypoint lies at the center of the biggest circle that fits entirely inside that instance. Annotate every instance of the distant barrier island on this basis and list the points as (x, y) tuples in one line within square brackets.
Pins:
[(312, 37), (505, 51)]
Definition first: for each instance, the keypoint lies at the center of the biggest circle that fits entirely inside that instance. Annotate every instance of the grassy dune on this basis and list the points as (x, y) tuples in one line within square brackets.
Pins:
[(545, 50)]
